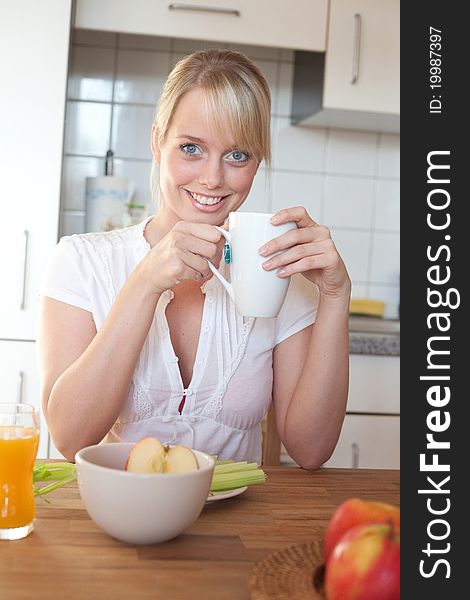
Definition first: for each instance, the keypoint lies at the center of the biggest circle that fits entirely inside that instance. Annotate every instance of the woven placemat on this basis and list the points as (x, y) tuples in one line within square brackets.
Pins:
[(294, 573)]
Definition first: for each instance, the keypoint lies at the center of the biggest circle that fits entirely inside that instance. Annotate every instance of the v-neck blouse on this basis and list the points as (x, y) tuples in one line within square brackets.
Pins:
[(231, 386)]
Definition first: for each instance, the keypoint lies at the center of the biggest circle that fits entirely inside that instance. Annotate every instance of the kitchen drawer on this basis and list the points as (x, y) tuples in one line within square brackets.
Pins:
[(368, 442), (374, 384), (277, 23)]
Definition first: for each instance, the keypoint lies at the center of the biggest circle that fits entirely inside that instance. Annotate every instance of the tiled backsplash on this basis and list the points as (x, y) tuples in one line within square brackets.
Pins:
[(348, 180)]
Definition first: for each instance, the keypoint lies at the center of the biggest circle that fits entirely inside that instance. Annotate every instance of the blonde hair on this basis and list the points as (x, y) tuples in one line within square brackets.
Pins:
[(235, 90)]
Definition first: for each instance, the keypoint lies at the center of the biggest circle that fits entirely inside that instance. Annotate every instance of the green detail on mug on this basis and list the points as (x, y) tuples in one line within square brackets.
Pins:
[(227, 254)]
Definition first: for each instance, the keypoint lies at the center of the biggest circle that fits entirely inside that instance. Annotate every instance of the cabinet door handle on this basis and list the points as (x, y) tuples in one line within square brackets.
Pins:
[(25, 262), (19, 393), (357, 48), (355, 455), (208, 9)]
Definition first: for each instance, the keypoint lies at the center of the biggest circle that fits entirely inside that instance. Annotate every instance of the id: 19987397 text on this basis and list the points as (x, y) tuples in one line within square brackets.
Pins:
[(435, 70)]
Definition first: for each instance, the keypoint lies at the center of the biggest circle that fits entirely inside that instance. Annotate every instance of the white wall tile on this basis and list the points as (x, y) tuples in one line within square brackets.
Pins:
[(257, 52), (139, 173), (298, 189), (91, 74), (385, 263), (389, 156), (140, 76), (390, 294), (284, 100), (354, 248), (210, 44), (87, 127), (75, 171), (131, 131), (175, 57), (183, 46), (287, 55), (273, 127), (298, 148), (348, 202), (144, 42), (359, 290), (91, 37), (387, 205), (258, 198), (351, 152), (72, 222), (270, 71)]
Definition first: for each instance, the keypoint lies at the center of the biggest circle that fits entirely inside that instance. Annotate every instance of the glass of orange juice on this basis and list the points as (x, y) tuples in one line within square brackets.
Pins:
[(19, 438)]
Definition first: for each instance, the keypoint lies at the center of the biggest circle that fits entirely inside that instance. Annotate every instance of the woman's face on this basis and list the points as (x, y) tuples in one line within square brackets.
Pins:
[(202, 178)]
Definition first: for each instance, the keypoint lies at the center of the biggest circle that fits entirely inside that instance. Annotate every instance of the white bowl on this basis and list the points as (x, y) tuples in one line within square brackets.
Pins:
[(140, 508)]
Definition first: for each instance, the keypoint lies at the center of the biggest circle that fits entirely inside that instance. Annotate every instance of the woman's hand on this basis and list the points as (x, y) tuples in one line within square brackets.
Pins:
[(180, 255), (309, 250)]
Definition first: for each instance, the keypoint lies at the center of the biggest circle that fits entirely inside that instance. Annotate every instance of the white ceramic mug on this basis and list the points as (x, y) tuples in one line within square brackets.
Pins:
[(255, 292)]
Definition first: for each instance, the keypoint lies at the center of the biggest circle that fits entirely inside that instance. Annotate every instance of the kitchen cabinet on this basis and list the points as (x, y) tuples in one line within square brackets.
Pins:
[(368, 442), (356, 84), (277, 23), (374, 384), (370, 437), (34, 47), (34, 44)]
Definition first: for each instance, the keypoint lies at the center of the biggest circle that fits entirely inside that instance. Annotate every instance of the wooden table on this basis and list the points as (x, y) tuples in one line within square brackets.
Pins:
[(69, 557)]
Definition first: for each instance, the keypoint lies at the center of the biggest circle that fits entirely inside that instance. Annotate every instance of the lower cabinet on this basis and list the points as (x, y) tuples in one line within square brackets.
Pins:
[(19, 382), (368, 442), (370, 437)]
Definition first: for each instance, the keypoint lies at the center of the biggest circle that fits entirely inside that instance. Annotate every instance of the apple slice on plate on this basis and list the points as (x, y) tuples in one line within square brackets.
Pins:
[(151, 456)]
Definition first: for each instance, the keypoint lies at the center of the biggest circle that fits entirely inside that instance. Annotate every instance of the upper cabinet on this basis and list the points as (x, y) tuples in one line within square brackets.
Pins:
[(301, 24), (356, 84), (34, 45)]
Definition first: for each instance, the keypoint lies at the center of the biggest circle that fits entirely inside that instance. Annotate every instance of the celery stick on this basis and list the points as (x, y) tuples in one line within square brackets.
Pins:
[(234, 467), (39, 491), (60, 473), (52, 471), (236, 475)]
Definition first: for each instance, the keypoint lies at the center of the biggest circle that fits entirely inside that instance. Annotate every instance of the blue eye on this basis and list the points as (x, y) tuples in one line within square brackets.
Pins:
[(190, 149), (238, 156)]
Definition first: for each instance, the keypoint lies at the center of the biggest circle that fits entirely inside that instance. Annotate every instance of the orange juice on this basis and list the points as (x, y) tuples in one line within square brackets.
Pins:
[(18, 448)]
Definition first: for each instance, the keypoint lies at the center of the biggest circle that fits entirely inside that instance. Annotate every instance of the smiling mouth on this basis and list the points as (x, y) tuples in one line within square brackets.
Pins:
[(206, 200)]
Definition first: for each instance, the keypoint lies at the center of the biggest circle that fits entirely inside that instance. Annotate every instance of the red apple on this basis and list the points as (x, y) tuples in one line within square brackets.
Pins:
[(355, 512), (365, 564)]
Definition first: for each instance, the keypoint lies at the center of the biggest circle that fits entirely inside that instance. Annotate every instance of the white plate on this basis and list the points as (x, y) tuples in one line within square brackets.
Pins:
[(224, 495)]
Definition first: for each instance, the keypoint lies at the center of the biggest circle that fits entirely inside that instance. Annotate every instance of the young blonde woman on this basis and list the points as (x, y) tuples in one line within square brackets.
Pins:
[(137, 339)]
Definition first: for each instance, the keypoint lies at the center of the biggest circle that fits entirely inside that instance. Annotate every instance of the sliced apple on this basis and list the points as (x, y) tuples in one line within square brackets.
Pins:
[(149, 455), (180, 459)]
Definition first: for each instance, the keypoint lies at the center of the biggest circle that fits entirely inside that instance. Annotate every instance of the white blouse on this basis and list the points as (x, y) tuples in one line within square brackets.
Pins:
[(231, 386)]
